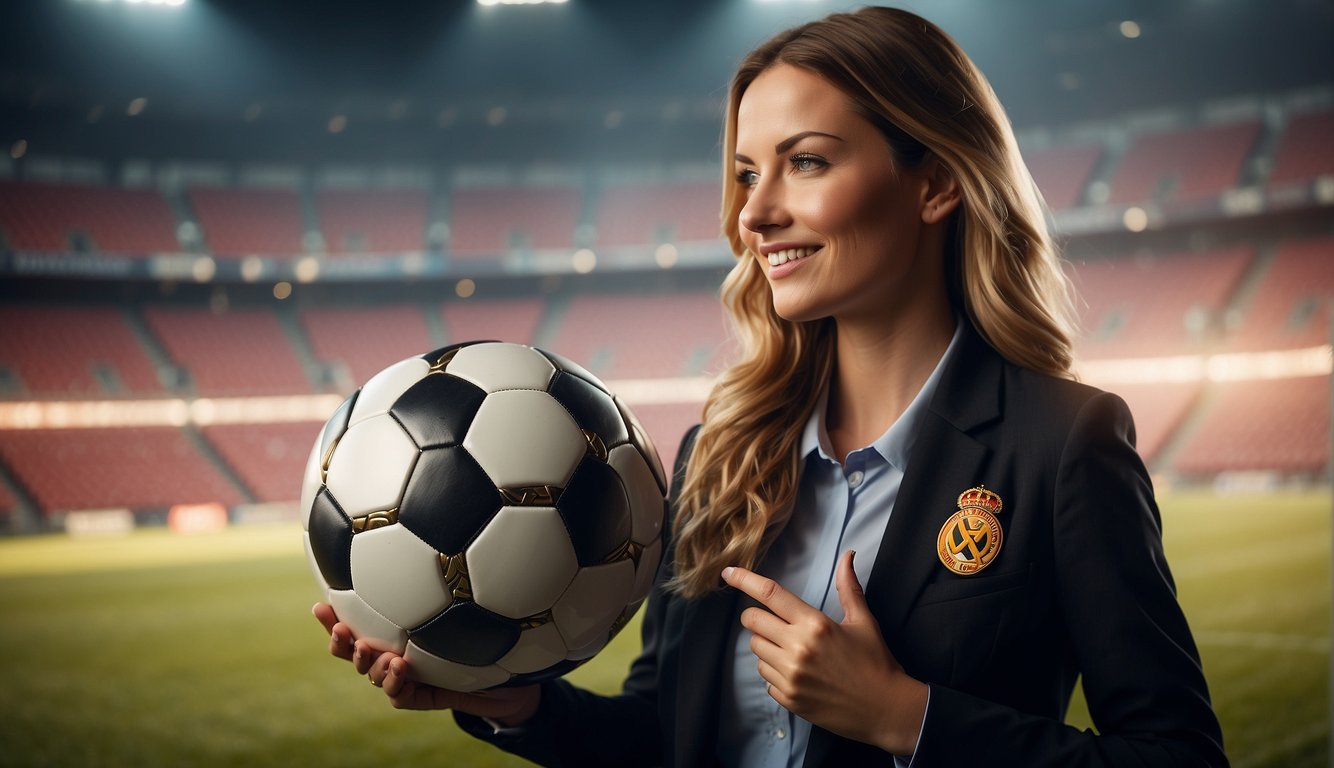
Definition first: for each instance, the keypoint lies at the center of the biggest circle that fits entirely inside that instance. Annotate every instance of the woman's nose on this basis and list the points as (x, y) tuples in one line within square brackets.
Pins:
[(764, 209)]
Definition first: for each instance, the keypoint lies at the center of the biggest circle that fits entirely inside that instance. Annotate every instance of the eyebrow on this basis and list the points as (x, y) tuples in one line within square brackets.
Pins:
[(788, 143)]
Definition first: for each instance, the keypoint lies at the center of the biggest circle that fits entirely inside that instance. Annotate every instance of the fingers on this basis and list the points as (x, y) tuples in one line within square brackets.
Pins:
[(326, 616), (768, 593), (850, 593)]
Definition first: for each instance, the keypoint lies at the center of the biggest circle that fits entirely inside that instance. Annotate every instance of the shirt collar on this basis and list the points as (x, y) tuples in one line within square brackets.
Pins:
[(897, 442)]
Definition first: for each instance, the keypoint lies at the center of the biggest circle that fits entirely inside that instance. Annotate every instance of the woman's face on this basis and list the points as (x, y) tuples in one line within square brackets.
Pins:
[(834, 224)]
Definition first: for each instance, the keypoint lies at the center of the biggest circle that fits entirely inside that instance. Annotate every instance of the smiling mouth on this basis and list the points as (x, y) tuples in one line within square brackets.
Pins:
[(789, 254)]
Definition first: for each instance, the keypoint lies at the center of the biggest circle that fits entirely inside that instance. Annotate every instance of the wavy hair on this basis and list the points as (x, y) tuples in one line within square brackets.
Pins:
[(914, 83)]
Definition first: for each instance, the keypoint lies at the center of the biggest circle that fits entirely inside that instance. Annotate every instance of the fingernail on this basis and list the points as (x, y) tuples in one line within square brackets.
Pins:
[(727, 573), (396, 667)]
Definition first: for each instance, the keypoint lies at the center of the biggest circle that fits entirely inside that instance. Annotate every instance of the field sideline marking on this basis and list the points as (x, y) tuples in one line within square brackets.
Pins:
[(1264, 641)]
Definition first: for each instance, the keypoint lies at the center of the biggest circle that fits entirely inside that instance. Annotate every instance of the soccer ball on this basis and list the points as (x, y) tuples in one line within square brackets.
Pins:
[(488, 510)]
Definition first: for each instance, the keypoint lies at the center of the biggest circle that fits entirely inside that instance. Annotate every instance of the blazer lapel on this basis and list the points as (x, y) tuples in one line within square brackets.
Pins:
[(945, 461)]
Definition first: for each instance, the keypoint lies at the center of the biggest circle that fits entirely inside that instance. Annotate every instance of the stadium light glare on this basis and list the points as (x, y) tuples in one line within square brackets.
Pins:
[(520, 2)]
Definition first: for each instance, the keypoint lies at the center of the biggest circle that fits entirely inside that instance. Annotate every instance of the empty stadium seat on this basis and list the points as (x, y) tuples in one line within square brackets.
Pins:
[(1290, 308), (270, 459), (239, 352), (1279, 425), (486, 221), (1154, 305), (1306, 149), (369, 221), (236, 222), (1062, 173), (139, 468), (62, 218), (644, 335), (87, 352), (1183, 165), (362, 340), (650, 214), (515, 320)]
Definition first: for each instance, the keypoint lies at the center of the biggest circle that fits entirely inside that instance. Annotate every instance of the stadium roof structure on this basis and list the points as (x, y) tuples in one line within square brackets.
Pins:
[(453, 63)]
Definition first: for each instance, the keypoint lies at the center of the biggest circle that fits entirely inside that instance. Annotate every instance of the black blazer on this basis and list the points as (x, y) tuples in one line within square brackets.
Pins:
[(1080, 586)]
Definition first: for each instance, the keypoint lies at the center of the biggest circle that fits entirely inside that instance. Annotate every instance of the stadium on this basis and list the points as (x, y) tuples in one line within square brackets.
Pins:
[(218, 218)]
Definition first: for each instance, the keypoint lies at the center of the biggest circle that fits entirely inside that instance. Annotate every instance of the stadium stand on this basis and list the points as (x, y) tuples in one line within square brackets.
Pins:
[(63, 351), (64, 218), (1276, 424), (651, 214), (1305, 150), (1185, 164), (236, 222), (1160, 304), (1159, 410), (356, 342), (8, 504), (486, 221), (672, 335), (135, 467), (372, 221), (515, 320), (239, 352), (1063, 173), (1290, 308), (270, 459)]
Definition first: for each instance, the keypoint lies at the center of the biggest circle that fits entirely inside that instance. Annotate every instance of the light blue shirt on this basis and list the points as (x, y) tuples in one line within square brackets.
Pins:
[(838, 507)]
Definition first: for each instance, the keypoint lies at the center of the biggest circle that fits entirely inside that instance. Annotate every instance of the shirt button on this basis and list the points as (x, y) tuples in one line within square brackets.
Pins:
[(855, 479), (780, 734)]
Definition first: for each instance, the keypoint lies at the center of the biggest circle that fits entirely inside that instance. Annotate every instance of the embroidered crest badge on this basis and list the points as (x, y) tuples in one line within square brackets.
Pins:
[(970, 540)]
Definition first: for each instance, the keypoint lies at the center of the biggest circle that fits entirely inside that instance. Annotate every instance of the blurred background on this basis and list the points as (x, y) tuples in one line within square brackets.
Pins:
[(217, 218)]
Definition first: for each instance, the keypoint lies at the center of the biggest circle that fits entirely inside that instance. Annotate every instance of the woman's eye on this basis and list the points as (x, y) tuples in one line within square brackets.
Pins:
[(807, 163), (747, 177)]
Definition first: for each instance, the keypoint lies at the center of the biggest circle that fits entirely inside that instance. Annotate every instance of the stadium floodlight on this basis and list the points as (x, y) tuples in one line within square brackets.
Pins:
[(521, 2)]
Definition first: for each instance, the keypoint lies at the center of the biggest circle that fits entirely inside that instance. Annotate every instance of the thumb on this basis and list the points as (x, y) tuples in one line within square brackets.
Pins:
[(850, 594)]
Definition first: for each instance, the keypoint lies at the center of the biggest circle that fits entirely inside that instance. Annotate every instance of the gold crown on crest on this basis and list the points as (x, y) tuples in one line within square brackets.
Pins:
[(980, 498)]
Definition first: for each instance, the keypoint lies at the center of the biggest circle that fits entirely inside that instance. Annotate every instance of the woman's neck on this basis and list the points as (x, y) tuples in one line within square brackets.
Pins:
[(878, 370)]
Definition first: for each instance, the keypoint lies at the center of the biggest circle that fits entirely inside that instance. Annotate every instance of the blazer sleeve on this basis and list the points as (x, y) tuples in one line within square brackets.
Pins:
[(1142, 677), (574, 727)]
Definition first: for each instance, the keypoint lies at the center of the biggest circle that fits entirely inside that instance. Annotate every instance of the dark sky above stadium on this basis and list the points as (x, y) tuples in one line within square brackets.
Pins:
[(1052, 61)]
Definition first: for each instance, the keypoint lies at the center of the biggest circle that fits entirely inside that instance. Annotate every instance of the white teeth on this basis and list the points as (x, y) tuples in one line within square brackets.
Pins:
[(789, 254)]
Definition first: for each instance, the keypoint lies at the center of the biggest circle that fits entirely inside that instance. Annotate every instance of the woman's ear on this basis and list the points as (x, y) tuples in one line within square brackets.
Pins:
[(941, 194)]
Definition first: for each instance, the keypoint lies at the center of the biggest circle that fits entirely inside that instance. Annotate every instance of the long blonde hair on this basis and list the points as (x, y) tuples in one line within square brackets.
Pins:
[(914, 83)]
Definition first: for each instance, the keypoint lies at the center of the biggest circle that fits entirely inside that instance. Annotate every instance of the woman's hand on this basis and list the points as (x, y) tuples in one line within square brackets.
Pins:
[(507, 707), (841, 677)]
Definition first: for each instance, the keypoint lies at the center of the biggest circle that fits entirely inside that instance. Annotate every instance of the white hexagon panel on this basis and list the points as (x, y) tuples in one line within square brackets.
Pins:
[(538, 648), (451, 675), (315, 568), (384, 388), (398, 575), (366, 623), (502, 439), (497, 366), (521, 562), (595, 599), (647, 506), (371, 466)]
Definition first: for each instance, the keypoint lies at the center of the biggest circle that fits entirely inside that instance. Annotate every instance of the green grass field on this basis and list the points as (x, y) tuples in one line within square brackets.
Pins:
[(159, 649)]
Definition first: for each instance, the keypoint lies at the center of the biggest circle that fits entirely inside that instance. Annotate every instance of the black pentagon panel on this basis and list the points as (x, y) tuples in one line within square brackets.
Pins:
[(434, 355), (559, 669), (566, 365), (591, 407), (596, 511), (448, 500), (437, 410), (337, 423), (468, 634), (331, 540)]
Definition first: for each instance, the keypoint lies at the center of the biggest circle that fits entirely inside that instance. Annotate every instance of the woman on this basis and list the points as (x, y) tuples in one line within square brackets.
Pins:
[(904, 391)]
